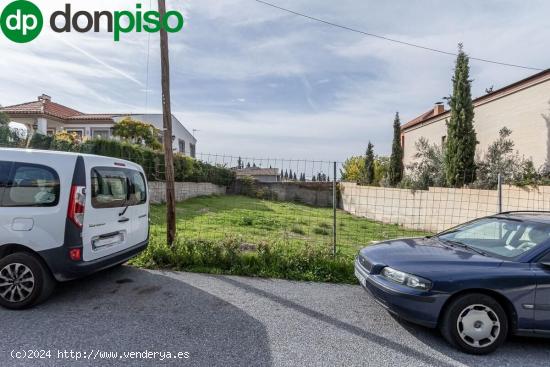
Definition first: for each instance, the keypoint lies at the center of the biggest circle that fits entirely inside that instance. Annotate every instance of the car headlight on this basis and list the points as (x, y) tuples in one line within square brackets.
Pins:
[(406, 279)]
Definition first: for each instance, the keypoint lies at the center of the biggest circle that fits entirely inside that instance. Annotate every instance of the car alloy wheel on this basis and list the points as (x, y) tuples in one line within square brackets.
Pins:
[(16, 282)]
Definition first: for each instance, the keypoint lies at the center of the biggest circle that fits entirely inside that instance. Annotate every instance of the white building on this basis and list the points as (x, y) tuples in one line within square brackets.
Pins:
[(47, 117)]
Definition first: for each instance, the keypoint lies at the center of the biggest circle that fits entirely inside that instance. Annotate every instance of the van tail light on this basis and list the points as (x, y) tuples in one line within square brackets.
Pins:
[(75, 254), (77, 204)]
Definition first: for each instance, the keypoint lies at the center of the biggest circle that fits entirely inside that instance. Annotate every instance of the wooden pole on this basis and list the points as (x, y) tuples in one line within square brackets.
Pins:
[(167, 124)]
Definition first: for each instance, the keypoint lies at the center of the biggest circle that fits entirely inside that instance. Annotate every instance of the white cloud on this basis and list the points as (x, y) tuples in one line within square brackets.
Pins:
[(259, 82)]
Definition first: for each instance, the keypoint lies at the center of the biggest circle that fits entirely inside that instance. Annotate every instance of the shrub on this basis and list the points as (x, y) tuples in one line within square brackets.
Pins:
[(40, 141), (501, 158), (186, 169), (249, 187), (10, 137), (309, 263), (138, 132), (428, 169), (297, 230), (321, 231)]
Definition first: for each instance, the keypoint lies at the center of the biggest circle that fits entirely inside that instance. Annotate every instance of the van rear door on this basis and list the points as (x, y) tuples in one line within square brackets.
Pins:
[(116, 215)]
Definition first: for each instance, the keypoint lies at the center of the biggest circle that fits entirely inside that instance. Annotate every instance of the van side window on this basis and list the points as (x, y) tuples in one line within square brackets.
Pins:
[(31, 185), (5, 168), (117, 187)]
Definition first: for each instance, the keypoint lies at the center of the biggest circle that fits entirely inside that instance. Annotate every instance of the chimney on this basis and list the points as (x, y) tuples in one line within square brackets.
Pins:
[(439, 108), (44, 98)]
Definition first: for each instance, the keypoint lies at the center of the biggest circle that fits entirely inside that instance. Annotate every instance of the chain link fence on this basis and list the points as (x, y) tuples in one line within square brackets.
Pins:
[(302, 202)]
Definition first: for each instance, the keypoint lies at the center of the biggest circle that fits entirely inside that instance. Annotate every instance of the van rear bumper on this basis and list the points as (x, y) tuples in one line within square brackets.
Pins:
[(63, 269)]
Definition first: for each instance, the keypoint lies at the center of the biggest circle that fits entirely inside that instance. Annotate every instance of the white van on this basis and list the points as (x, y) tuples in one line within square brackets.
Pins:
[(63, 216)]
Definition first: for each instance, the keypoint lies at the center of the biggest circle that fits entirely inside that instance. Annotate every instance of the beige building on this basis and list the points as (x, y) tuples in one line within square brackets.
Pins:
[(521, 107)]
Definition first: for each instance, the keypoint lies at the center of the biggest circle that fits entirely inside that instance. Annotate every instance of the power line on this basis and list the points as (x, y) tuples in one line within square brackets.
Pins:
[(391, 39)]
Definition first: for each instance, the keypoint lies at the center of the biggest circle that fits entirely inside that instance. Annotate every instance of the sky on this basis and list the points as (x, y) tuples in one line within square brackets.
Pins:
[(258, 82)]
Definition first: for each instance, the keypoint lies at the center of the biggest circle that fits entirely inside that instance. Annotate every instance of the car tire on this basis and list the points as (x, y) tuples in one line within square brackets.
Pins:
[(475, 323), (24, 281)]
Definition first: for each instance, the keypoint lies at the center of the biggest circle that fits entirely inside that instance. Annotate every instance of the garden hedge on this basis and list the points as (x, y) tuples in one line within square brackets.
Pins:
[(186, 169)]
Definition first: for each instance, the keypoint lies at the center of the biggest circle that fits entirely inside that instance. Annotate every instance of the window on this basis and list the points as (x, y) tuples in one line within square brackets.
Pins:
[(5, 168), (192, 148), (443, 140), (100, 134), (50, 132), (181, 145), (138, 189), (402, 141), (117, 187), (545, 258), (31, 185), (499, 236)]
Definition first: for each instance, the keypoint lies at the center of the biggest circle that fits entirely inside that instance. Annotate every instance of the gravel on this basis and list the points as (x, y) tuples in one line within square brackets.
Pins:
[(230, 321)]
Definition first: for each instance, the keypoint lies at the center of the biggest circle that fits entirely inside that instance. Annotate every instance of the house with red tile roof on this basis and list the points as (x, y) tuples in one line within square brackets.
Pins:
[(48, 117), (523, 107)]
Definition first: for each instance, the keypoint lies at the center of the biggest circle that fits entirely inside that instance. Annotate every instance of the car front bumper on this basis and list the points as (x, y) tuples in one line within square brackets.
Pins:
[(419, 307)]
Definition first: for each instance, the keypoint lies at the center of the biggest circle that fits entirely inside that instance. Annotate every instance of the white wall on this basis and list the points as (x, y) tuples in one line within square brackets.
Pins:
[(184, 190), (437, 209)]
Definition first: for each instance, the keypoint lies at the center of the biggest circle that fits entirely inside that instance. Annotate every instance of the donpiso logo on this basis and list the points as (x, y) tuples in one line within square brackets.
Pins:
[(21, 21)]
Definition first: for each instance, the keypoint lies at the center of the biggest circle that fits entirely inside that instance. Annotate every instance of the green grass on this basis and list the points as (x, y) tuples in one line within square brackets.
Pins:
[(247, 236)]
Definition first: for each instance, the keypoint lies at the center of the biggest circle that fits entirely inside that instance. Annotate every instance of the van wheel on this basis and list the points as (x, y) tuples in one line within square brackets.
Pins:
[(475, 323), (24, 281)]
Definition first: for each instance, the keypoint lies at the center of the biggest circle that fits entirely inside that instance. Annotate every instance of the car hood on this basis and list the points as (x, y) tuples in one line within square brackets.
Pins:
[(423, 256)]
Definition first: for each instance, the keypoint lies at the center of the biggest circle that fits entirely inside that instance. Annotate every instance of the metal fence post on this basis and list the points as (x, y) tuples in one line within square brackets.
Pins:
[(334, 211), (499, 193)]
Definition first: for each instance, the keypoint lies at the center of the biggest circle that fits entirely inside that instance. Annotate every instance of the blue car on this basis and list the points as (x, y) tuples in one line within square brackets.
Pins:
[(478, 282)]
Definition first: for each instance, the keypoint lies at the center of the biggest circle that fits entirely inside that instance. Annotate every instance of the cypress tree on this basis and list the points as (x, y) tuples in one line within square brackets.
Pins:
[(369, 164), (460, 147), (395, 173)]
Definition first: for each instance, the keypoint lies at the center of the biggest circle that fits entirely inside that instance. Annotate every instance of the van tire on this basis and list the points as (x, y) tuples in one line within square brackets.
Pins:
[(32, 273)]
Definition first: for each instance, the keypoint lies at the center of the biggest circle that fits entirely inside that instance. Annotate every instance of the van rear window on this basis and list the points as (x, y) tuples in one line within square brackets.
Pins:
[(117, 187)]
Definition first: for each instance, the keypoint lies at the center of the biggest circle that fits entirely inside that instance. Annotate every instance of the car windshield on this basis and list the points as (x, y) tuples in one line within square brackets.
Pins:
[(498, 236)]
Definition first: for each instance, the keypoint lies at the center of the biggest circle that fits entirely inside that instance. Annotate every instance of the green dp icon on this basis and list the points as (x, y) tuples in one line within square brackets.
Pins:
[(21, 21)]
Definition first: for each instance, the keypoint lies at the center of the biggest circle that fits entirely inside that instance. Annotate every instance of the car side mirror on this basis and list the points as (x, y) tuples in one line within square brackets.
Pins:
[(546, 264)]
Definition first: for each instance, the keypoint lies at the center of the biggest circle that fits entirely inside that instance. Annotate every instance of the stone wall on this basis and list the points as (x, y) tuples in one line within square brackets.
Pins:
[(312, 193), (184, 190), (437, 208)]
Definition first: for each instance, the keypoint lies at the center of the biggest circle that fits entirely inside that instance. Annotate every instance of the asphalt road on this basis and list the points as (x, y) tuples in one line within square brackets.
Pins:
[(229, 321)]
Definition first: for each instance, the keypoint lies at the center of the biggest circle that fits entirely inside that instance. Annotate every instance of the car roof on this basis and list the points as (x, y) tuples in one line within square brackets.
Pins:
[(69, 154), (533, 216)]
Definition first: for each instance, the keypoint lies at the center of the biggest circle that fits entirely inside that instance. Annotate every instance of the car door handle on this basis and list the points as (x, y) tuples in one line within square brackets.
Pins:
[(123, 220)]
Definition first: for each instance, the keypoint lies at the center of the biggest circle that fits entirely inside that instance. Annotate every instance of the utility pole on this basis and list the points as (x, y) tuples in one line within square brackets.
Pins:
[(167, 125)]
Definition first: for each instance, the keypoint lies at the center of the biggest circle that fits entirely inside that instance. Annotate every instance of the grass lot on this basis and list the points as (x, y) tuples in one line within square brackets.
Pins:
[(242, 235)]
